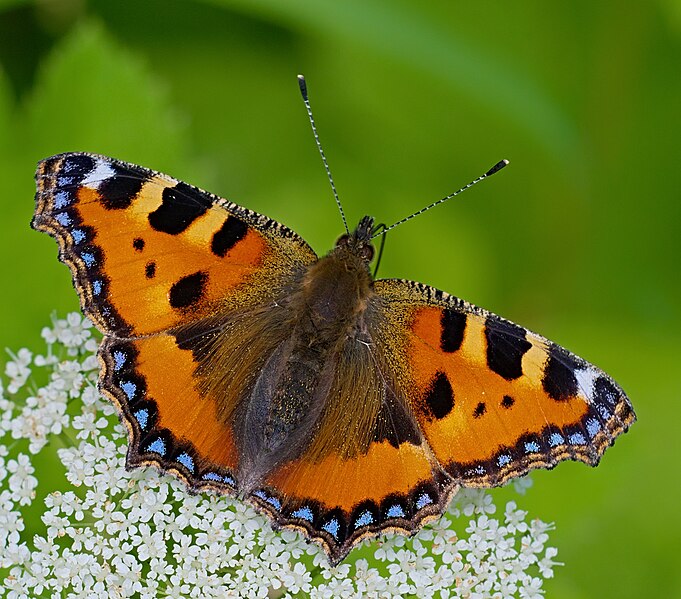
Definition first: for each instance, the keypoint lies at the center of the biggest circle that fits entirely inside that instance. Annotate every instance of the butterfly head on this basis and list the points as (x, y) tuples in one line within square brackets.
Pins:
[(359, 241)]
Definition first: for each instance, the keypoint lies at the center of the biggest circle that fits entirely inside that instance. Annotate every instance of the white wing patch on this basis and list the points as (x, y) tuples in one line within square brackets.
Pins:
[(586, 380), (101, 172)]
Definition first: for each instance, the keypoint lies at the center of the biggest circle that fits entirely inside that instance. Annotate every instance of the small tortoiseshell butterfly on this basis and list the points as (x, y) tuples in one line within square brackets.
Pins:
[(338, 405)]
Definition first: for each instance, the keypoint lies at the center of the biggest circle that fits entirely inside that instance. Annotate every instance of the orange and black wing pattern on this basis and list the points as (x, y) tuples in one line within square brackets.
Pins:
[(171, 423), (436, 395), (155, 260), (492, 399), (148, 252), (367, 469)]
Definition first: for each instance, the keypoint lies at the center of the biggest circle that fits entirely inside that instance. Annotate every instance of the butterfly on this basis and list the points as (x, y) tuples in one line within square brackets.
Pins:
[(337, 405)]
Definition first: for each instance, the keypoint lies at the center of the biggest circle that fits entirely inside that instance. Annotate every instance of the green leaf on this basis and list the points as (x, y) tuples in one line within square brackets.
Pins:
[(5, 113), (95, 96), (9, 4), (91, 95)]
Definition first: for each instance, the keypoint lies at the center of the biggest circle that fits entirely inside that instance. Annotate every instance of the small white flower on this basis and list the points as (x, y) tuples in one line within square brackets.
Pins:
[(68, 377), (522, 484), (44, 413), (18, 370), (532, 589), (546, 564), (91, 397), (112, 533), (6, 416), (73, 332), (11, 526), (21, 481), (476, 501), (515, 518), (341, 588), (297, 580)]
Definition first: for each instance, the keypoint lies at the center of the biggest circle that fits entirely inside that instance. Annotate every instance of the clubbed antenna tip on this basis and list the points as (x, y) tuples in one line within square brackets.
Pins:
[(495, 169), (303, 87)]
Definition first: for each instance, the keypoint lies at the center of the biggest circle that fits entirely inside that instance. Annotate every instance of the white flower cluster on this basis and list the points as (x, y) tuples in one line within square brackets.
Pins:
[(75, 524)]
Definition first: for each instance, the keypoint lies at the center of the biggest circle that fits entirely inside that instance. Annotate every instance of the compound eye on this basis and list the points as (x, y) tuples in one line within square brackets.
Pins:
[(343, 240), (367, 252)]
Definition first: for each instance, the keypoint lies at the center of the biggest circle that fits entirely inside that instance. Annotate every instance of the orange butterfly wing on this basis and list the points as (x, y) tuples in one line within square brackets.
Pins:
[(150, 256), (440, 394), (148, 252), (367, 468), (492, 399), (171, 424)]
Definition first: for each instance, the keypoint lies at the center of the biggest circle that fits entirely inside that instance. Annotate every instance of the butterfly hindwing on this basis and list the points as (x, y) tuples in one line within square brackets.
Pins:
[(367, 468), (171, 425), (148, 252), (492, 399)]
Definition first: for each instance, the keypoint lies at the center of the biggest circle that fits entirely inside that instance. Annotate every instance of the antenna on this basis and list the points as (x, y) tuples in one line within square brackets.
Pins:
[(495, 169), (306, 100)]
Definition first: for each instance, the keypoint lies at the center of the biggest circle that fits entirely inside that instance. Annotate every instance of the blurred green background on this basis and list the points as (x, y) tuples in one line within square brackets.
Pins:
[(578, 239)]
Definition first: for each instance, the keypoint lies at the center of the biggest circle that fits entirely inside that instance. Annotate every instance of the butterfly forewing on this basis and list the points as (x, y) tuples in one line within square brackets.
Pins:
[(148, 252)]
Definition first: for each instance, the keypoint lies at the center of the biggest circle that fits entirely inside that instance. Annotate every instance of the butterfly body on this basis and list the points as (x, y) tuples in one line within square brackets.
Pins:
[(337, 405), (323, 311)]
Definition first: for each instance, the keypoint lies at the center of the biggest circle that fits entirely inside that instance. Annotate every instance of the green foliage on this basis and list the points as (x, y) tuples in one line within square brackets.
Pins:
[(406, 35), (579, 238), (93, 95)]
